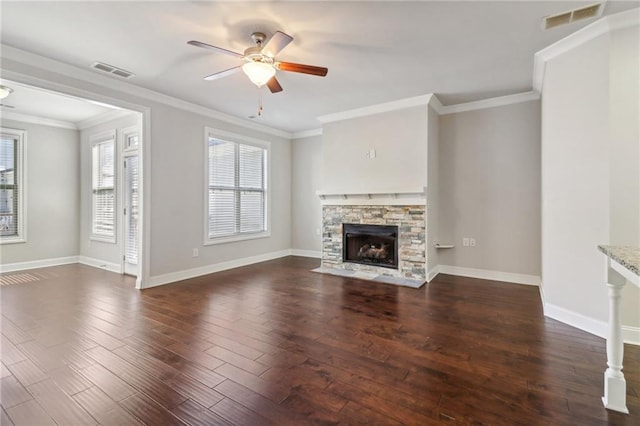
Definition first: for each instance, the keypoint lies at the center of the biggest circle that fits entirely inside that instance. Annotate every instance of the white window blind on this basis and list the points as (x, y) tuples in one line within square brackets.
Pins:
[(133, 200), (236, 189), (103, 185), (10, 186)]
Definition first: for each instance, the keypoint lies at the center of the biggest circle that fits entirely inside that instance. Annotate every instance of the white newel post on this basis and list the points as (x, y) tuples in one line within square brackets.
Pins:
[(615, 386)]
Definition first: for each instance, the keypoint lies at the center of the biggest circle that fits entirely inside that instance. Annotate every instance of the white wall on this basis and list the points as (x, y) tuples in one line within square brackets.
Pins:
[(589, 180), (433, 190), (306, 178), (99, 250), (489, 164), (400, 140), (53, 188)]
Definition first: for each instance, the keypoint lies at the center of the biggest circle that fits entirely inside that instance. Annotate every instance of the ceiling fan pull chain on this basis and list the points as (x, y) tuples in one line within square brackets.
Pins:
[(259, 103)]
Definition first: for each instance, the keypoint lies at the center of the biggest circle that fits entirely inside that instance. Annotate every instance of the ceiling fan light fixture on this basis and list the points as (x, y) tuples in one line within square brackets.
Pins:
[(6, 91), (259, 72)]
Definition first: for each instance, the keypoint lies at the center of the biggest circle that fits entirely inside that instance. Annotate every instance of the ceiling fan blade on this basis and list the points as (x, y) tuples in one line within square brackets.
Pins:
[(278, 41), (215, 48), (223, 73), (274, 85), (304, 69)]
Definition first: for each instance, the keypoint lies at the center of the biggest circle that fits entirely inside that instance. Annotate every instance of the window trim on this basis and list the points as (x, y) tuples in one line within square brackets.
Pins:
[(244, 140), (21, 236), (109, 135)]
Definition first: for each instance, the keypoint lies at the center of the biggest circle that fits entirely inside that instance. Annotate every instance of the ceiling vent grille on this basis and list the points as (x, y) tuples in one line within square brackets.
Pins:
[(110, 69), (587, 12)]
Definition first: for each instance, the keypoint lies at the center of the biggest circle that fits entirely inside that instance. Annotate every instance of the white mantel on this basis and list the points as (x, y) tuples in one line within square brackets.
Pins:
[(374, 197)]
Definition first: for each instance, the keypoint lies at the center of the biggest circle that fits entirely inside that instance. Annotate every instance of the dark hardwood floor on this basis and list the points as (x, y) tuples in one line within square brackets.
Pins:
[(274, 343)]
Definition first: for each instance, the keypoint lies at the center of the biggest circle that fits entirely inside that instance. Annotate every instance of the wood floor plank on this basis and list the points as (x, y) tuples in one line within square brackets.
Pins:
[(104, 409), (12, 392), (30, 413), (5, 420), (237, 360), (69, 380), (196, 415), (238, 414), (61, 407), (112, 385), (248, 398), (149, 412), (27, 372)]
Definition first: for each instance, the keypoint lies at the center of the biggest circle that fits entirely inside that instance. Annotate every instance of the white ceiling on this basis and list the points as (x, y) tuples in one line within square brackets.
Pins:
[(30, 101), (376, 51)]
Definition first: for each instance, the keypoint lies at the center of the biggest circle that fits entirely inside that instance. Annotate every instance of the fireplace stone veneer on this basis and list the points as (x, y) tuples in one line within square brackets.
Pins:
[(411, 223)]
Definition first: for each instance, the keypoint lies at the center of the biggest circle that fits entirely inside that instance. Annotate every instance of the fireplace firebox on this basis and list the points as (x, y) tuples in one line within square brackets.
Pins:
[(375, 245)]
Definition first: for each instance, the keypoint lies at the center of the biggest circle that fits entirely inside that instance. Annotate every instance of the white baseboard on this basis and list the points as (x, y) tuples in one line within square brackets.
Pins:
[(575, 319), (102, 264), (631, 335), (596, 327), (433, 273), (210, 269), (34, 264), (486, 274), (306, 253)]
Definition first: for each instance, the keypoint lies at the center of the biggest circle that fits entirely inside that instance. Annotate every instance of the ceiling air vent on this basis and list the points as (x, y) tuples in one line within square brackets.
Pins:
[(112, 70), (575, 15)]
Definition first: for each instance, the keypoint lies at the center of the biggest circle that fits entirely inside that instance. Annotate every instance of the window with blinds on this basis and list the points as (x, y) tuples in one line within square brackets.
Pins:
[(103, 178), (133, 207), (236, 189), (11, 185)]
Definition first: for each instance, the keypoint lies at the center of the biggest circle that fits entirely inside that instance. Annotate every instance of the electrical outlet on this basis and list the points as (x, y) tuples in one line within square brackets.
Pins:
[(371, 154), (465, 242), (472, 242), (195, 252)]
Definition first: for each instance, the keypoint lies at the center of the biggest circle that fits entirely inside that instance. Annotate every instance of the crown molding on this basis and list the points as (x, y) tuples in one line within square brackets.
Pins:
[(307, 133), (103, 118), (33, 119), (435, 103), (377, 109), (600, 27), (491, 103), (111, 83)]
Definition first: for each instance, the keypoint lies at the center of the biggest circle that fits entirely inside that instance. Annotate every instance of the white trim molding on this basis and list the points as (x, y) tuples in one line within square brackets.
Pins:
[(186, 274), (316, 254), (307, 133), (33, 119), (490, 103), (432, 273), (422, 100), (577, 320), (35, 264), (487, 274), (102, 264), (104, 117)]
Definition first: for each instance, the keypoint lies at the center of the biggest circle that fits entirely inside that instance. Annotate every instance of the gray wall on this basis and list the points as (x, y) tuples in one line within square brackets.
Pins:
[(306, 178), (177, 193), (53, 188), (433, 190), (400, 140), (490, 188), (108, 252)]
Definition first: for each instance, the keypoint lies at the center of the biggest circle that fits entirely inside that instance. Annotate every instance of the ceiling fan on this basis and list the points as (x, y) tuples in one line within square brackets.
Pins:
[(261, 64)]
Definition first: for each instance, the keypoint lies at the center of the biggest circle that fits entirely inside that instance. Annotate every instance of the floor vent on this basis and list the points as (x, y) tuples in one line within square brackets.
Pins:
[(587, 12), (101, 66)]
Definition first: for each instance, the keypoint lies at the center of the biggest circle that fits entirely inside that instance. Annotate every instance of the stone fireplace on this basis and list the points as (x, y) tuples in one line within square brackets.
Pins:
[(390, 242)]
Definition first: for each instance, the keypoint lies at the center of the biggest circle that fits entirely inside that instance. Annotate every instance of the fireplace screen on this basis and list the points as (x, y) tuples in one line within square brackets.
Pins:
[(375, 245)]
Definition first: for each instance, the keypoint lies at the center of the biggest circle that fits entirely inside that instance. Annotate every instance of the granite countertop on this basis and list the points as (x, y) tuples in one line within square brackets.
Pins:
[(627, 256)]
